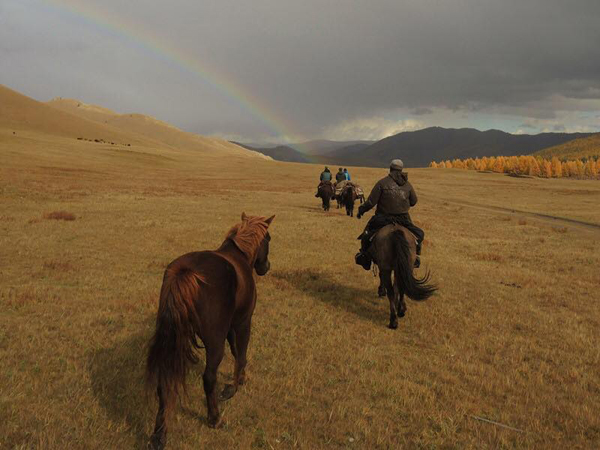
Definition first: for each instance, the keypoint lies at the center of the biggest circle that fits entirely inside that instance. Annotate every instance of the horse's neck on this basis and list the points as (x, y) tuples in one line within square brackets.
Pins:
[(230, 250)]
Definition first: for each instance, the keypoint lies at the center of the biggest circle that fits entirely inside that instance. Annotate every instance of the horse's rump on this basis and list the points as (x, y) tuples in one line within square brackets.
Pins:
[(190, 282), (381, 250)]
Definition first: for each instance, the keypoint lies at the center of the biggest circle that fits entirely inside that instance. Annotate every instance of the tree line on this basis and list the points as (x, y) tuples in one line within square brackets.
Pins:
[(534, 166)]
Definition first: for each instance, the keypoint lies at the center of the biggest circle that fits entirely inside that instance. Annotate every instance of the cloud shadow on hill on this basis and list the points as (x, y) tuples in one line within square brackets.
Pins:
[(362, 302)]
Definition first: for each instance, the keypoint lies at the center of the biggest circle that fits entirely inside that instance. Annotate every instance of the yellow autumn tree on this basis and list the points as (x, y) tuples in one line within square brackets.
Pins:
[(523, 165), (499, 165), (580, 168), (448, 165), (511, 164), (556, 167), (546, 169), (590, 169), (533, 168), (598, 166), (458, 164), (433, 165), (572, 168)]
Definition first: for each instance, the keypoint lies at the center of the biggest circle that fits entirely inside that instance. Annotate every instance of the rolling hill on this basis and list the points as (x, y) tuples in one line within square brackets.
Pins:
[(419, 148), (19, 113), (149, 127), (587, 147)]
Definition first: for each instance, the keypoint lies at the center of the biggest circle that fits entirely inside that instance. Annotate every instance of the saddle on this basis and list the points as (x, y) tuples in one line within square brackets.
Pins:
[(371, 237)]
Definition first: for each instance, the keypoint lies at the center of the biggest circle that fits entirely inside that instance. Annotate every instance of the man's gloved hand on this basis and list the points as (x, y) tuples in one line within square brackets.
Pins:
[(360, 212)]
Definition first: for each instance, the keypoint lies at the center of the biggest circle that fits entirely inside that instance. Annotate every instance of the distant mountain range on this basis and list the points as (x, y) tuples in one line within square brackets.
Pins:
[(279, 153), (317, 151), (419, 148)]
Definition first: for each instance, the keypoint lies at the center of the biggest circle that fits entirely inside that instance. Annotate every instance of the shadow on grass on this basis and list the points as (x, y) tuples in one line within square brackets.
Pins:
[(118, 383), (117, 377), (360, 301)]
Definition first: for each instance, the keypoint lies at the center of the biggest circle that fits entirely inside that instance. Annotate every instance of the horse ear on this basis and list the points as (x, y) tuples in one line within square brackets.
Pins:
[(244, 217), (270, 219)]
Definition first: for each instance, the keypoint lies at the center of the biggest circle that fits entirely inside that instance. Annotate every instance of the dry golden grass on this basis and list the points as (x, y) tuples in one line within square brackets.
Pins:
[(511, 336)]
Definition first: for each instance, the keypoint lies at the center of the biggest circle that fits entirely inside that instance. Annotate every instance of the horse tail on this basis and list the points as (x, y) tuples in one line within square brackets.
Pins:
[(177, 324), (416, 288)]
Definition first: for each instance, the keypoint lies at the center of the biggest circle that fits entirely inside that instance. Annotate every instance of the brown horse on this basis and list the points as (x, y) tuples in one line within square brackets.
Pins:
[(210, 295), (348, 197), (394, 250), (325, 192)]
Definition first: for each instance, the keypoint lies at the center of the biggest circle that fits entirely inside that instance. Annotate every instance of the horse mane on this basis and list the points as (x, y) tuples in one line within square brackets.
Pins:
[(248, 235)]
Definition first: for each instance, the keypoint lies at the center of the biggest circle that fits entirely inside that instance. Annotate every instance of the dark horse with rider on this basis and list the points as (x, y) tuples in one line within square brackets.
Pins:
[(393, 241)]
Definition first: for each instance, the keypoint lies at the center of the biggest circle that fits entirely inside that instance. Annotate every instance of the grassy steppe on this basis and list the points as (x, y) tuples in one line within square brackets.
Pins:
[(511, 336)]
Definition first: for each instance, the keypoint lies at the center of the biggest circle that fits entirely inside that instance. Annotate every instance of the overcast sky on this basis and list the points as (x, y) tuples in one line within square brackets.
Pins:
[(276, 70)]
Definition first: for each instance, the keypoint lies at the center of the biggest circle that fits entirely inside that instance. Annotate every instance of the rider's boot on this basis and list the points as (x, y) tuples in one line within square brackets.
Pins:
[(363, 258)]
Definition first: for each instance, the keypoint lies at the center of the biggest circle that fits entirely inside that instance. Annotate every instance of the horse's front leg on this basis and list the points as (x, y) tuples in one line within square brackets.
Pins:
[(389, 287), (242, 338)]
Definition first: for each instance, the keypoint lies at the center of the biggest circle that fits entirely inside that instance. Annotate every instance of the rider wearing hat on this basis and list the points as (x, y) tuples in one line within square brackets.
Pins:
[(393, 196)]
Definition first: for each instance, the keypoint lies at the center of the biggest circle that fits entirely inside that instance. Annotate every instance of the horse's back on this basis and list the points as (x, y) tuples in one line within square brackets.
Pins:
[(218, 275)]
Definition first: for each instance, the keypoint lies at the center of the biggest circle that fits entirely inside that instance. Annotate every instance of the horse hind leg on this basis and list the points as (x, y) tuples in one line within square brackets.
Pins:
[(401, 306), (214, 356), (400, 303), (381, 292), (389, 287), (158, 440)]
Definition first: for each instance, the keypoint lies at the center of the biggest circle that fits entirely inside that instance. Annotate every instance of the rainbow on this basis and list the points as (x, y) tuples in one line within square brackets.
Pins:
[(135, 35)]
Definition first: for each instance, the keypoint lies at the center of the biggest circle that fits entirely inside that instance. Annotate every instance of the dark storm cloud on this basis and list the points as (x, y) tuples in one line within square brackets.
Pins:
[(316, 64)]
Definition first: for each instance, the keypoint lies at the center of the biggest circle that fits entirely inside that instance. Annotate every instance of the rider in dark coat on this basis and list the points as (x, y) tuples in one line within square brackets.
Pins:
[(393, 196), (340, 175)]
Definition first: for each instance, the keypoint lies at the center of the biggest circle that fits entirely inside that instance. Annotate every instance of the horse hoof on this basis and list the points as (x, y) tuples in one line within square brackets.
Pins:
[(156, 442), (401, 313), (228, 392), (393, 325), (215, 423)]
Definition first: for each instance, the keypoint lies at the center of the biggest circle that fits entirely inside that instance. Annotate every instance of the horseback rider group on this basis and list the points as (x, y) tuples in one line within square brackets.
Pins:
[(342, 175), (393, 196)]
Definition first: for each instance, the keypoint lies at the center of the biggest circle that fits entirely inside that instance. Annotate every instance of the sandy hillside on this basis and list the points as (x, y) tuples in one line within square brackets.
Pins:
[(20, 113), (149, 127)]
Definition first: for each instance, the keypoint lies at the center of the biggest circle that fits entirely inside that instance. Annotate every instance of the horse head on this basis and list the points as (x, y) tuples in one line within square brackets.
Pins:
[(262, 264)]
